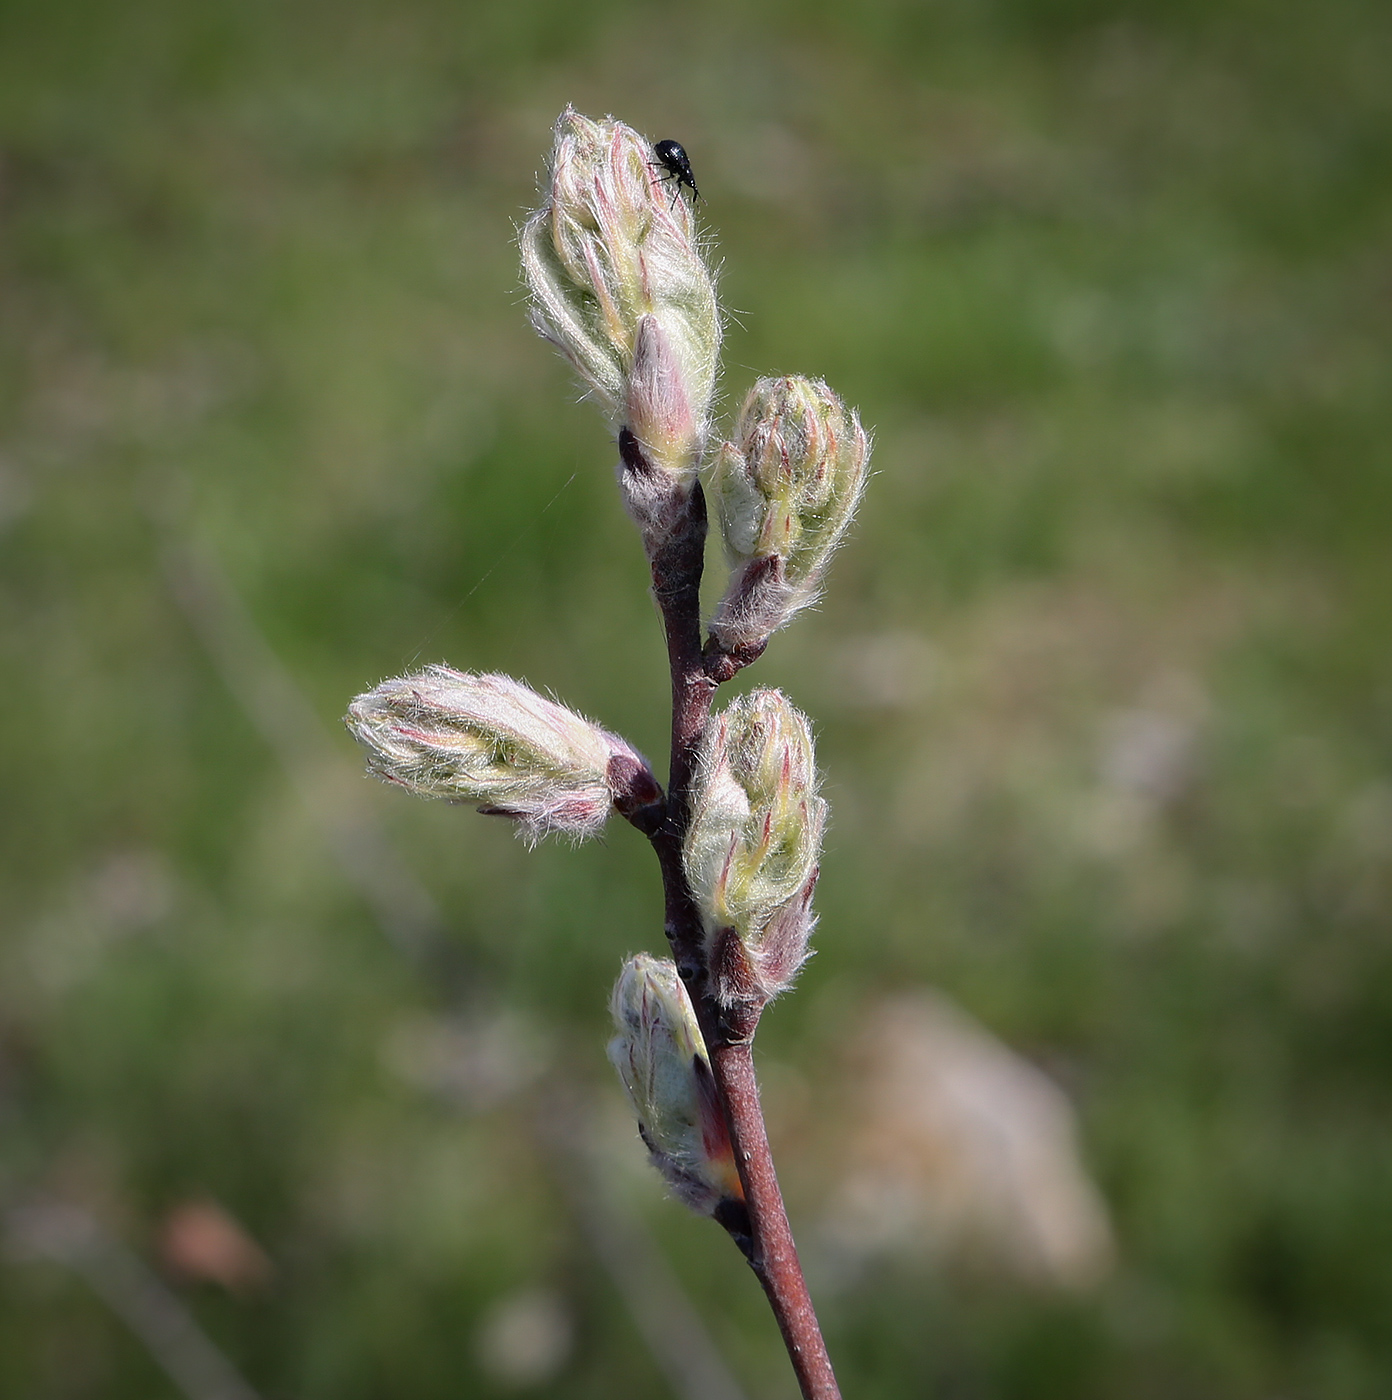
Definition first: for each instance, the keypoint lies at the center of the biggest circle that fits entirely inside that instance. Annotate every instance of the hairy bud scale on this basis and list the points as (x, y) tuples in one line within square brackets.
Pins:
[(786, 490), (661, 1059), (619, 285), (491, 740), (752, 847)]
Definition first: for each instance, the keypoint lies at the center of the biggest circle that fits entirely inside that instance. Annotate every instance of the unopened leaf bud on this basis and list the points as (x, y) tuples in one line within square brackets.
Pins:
[(491, 740), (786, 490), (661, 1059), (619, 285), (753, 844)]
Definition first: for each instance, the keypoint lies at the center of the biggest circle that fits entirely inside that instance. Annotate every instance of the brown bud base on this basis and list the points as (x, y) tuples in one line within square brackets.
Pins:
[(638, 795), (733, 1218), (724, 664), (735, 982)]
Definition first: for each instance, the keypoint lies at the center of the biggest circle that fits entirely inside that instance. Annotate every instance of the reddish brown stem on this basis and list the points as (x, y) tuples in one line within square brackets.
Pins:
[(774, 1257), (677, 563)]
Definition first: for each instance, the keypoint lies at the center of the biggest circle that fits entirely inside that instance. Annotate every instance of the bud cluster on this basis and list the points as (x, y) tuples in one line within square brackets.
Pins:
[(491, 740), (619, 285), (661, 1059), (752, 846), (786, 490)]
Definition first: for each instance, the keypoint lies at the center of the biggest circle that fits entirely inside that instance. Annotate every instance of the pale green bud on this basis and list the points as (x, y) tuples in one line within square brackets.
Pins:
[(786, 490), (618, 283), (753, 844), (491, 740), (661, 1059)]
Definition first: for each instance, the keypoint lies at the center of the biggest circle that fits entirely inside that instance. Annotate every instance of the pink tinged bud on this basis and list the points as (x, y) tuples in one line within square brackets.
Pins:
[(661, 1059), (490, 740), (786, 491), (752, 846), (782, 947)]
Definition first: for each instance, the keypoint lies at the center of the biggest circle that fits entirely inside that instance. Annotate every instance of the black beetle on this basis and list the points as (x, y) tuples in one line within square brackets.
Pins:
[(678, 167)]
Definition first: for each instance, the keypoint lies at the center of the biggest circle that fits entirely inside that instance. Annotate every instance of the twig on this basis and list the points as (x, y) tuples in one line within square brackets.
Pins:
[(619, 284), (676, 572), (773, 1257)]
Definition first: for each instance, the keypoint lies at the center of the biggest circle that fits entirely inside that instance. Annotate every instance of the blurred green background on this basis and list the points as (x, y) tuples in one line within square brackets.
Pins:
[(1102, 682)]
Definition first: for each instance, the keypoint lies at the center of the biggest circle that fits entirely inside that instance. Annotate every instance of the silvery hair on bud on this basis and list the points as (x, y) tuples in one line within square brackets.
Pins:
[(661, 1059), (491, 740), (752, 847), (786, 491), (607, 248)]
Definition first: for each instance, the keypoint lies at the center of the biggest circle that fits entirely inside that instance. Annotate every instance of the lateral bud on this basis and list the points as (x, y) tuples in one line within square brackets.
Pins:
[(785, 491), (491, 740), (752, 847), (661, 1058)]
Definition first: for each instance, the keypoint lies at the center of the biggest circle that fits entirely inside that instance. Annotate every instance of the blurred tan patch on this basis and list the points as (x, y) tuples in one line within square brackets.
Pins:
[(884, 671), (477, 1064), (950, 1147), (200, 1242), (525, 1338)]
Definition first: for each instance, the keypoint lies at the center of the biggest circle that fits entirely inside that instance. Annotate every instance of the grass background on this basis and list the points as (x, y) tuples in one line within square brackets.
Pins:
[(1110, 280)]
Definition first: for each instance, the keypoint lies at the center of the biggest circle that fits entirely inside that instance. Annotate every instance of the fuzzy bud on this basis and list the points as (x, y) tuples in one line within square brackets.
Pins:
[(661, 1059), (752, 846), (492, 740), (786, 490), (618, 284)]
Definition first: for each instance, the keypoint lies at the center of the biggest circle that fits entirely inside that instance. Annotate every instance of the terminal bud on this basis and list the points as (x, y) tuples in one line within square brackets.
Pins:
[(752, 847), (619, 285)]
